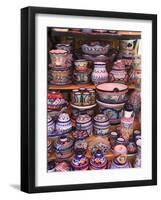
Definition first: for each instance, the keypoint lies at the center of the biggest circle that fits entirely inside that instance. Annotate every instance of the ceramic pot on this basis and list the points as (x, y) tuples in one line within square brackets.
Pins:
[(67, 47), (101, 125), (63, 124), (118, 73), (63, 147), (135, 100), (82, 77), (60, 76), (79, 162), (98, 161), (112, 92), (84, 122), (81, 65), (51, 126), (60, 58), (95, 49), (99, 74), (56, 100)]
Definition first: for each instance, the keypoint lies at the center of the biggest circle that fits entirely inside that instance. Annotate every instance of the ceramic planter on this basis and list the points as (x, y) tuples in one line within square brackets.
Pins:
[(95, 49), (99, 74), (112, 92), (82, 77)]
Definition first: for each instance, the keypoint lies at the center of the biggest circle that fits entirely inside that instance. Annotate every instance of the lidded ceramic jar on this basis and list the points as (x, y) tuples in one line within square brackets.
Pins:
[(63, 124), (79, 162), (84, 122), (120, 158), (63, 147), (98, 161), (127, 121), (51, 126), (56, 100), (99, 74), (118, 73), (101, 124)]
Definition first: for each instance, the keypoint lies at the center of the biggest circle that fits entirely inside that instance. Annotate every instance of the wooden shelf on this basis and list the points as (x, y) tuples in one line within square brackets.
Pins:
[(120, 35), (77, 86)]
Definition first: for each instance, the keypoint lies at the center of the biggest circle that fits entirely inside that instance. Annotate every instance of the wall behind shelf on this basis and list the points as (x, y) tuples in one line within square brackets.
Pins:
[(10, 99)]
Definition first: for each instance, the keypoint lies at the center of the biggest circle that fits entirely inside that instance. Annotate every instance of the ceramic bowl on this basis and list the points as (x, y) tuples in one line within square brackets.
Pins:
[(112, 92), (98, 58), (95, 49)]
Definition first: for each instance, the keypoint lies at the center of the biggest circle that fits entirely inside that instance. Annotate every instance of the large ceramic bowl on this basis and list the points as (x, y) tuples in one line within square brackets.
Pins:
[(112, 92), (95, 49)]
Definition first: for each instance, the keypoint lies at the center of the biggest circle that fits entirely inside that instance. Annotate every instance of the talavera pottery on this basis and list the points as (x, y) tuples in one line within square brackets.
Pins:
[(63, 124), (61, 76), (79, 162), (98, 58), (67, 47), (51, 126), (95, 49), (135, 77), (118, 73), (131, 147), (101, 124), (99, 74), (112, 92), (98, 161), (56, 100), (60, 58), (62, 167), (113, 138), (83, 107), (63, 147), (81, 65), (113, 111), (84, 122), (120, 158)]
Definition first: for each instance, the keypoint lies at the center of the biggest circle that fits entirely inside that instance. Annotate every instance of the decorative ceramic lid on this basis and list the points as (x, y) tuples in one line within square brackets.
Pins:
[(98, 160), (79, 161), (120, 149), (64, 117), (83, 118), (101, 118), (63, 143)]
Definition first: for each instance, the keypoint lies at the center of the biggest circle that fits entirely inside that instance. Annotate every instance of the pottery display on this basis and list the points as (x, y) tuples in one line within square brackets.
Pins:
[(61, 76), (101, 124), (118, 73), (99, 74), (79, 162), (56, 100), (93, 101), (63, 147), (60, 58), (98, 161), (95, 49), (112, 92), (63, 124)]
